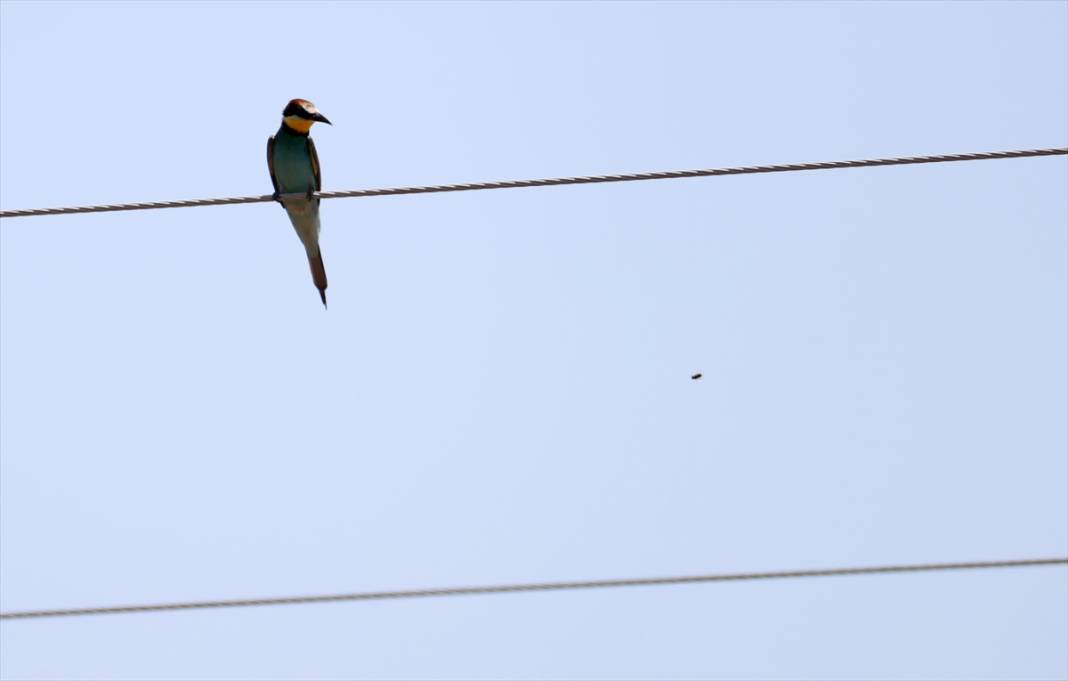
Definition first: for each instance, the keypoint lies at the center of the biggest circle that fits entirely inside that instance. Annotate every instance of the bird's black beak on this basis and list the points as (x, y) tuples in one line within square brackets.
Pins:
[(321, 118)]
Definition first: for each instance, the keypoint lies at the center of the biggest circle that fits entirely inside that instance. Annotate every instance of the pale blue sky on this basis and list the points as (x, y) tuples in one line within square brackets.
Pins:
[(500, 389)]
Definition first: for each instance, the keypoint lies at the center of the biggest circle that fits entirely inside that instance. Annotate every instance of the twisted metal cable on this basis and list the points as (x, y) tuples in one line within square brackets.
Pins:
[(543, 586), (546, 182)]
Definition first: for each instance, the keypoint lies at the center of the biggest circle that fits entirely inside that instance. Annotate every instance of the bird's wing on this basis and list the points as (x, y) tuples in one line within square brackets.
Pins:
[(270, 161), (315, 165)]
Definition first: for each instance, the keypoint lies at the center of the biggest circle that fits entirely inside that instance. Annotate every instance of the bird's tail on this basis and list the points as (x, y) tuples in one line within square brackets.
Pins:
[(318, 271)]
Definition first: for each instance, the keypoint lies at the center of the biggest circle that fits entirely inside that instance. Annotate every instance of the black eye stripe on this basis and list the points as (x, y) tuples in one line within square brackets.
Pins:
[(296, 110)]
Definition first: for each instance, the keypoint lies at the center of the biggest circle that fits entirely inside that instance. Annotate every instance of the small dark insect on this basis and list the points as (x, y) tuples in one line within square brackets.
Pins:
[(695, 377)]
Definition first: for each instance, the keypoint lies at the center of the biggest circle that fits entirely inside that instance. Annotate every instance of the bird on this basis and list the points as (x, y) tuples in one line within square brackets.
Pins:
[(294, 167)]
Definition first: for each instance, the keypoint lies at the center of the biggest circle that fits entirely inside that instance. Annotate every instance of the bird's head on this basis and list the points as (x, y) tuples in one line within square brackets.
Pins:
[(300, 114)]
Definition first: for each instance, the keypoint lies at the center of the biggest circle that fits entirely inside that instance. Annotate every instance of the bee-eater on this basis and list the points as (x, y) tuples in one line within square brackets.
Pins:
[(294, 169)]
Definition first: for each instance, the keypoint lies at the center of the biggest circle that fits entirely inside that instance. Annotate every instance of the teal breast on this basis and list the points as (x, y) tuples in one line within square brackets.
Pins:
[(292, 163)]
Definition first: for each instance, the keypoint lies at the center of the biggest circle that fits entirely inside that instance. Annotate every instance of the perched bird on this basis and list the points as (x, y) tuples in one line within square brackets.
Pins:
[(294, 167)]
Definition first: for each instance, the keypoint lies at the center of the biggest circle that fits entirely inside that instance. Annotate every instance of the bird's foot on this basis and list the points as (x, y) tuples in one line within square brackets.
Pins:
[(311, 193)]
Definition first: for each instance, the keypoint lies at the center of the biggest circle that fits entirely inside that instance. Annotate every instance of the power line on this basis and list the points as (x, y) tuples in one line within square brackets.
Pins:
[(543, 586), (546, 182)]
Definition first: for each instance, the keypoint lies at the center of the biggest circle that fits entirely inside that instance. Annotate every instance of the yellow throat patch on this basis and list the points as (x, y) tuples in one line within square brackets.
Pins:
[(301, 125)]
